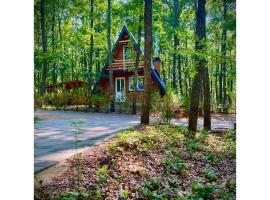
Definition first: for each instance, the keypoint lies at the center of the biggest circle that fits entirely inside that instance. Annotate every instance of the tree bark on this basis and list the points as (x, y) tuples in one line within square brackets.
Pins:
[(223, 52), (206, 101), (44, 46), (90, 69), (147, 61), (200, 62), (110, 58), (180, 75), (54, 76), (176, 8), (134, 98)]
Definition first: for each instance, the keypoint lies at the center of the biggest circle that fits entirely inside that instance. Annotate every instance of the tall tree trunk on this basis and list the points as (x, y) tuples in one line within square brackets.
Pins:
[(216, 84), (223, 51), (44, 46), (231, 78), (110, 58), (180, 75), (90, 69), (174, 62), (54, 76), (147, 61), (206, 100), (134, 100), (197, 81), (163, 71), (176, 8), (220, 84)]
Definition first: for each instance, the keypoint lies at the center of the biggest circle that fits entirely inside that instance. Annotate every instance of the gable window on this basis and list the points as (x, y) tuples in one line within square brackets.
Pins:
[(140, 85), (127, 54)]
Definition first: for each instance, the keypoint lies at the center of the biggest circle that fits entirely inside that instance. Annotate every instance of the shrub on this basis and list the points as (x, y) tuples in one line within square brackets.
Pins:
[(168, 104), (98, 101)]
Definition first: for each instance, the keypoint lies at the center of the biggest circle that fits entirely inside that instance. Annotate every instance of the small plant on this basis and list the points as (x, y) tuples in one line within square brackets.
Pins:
[(158, 189), (201, 191), (102, 173), (98, 195), (203, 135), (123, 194), (177, 166), (78, 158), (210, 175), (212, 158)]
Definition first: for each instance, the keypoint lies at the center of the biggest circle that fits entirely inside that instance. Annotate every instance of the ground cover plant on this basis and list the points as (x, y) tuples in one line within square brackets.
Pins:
[(153, 162)]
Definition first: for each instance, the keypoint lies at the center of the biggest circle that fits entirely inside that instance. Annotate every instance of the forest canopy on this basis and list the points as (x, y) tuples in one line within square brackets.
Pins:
[(62, 42)]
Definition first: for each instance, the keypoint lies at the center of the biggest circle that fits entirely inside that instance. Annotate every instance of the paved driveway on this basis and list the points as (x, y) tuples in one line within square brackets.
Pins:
[(54, 140)]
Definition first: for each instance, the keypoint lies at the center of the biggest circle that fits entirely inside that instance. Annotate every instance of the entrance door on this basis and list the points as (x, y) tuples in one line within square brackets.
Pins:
[(120, 89)]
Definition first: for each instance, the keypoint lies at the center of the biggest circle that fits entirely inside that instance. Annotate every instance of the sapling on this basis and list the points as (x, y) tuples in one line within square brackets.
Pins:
[(78, 158)]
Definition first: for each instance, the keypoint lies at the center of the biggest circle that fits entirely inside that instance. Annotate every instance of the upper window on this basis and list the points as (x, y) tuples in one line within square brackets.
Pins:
[(140, 86), (127, 54)]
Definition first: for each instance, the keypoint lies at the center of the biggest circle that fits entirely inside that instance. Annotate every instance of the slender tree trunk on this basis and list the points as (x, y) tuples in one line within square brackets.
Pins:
[(134, 100), (44, 46), (231, 78), (223, 51), (147, 61), (90, 70), (216, 84), (176, 8), (174, 62), (110, 58), (54, 76), (163, 71), (220, 84), (180, 75), (197, 82), (206, 100)]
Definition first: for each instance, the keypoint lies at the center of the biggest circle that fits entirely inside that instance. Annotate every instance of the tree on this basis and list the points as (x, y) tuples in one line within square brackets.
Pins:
[(147, 61), (90, 70), (110, 58), (200, 65), (44, 46), (137, 62), (223, 52)]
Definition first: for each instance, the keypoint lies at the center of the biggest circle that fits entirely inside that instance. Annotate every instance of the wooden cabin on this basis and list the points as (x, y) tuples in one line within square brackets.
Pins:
[(123, 62)]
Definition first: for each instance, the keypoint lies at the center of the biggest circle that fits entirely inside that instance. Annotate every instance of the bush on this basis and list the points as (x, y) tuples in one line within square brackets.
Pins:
[(98, 101), (169, 103)]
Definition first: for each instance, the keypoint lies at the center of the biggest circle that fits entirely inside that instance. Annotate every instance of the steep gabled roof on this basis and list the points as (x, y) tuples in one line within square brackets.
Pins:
[(122, 32)]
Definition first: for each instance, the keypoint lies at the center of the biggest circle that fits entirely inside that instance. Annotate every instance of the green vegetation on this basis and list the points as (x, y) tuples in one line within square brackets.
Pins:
[(156, 162)]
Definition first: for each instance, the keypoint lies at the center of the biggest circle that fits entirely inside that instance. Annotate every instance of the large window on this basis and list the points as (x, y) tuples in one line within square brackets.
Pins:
[(139, 83), (127, 54)]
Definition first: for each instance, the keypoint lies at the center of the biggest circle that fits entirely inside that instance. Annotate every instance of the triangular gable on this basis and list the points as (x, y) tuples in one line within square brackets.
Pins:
[(122, 32)]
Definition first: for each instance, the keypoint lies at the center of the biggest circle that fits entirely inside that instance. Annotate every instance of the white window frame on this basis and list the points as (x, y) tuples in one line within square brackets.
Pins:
[(133, 77), (124, 60), (124, 92)]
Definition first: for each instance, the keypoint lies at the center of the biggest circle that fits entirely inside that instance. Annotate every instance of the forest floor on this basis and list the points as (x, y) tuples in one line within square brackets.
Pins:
[(151, 162)]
